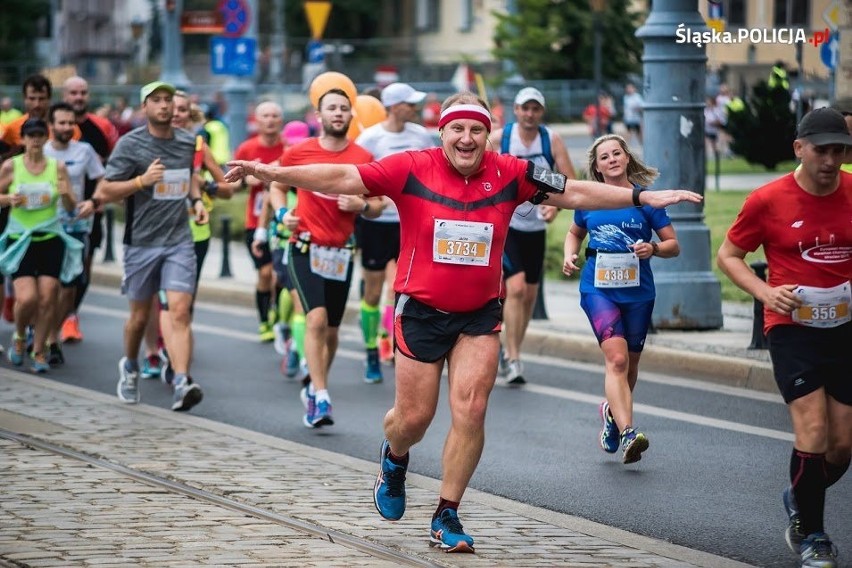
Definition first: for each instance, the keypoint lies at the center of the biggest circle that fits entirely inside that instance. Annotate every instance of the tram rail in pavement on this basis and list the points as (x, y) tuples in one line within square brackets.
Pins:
[(88, 480)]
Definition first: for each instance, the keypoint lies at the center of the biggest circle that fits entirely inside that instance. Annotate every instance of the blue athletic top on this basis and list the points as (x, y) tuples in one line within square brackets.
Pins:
[(613, 231)]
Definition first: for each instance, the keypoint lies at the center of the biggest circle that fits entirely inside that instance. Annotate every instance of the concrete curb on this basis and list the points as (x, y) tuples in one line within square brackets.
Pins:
[(714, 368)]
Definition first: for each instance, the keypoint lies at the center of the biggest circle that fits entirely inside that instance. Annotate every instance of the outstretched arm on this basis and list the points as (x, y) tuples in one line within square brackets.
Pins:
[(327, 178), (594, 195)]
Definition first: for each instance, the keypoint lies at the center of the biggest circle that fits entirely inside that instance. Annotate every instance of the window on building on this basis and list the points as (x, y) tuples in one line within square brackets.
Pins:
[(427, 17), (466, 15), (735, 11), (792, 13)]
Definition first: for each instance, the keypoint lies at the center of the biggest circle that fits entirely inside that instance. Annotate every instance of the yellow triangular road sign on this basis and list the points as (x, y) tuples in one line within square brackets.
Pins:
[(317, 12)]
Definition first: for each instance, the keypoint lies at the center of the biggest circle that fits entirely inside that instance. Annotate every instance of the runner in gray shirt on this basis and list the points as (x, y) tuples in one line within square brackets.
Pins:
[(151, 169)]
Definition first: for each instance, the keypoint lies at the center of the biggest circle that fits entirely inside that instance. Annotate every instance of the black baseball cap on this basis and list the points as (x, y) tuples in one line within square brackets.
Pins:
[(37, 125), (824, 126)]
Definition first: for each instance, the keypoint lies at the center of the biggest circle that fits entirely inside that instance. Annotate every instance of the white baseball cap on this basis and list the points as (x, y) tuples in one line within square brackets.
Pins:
[(529, 94), (397, 93)]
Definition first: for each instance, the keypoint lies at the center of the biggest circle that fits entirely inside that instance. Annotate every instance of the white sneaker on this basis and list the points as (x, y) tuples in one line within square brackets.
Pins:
[(128, 384), (515, 373)]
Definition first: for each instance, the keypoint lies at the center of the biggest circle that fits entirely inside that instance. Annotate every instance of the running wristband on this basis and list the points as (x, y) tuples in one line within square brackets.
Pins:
[(261, 235), (279, 215), (636, 192)]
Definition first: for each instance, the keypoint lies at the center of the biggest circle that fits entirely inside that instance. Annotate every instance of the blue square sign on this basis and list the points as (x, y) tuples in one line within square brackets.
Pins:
[(232, 55)]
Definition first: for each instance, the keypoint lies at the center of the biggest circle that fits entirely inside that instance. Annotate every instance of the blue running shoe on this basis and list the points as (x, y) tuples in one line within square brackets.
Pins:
[(609, 433), (38, 363), (633, 443), (389, 490), (448, 533), (793, 534), (373, 374), (151, 367), (322, 416), (292, 365), (310, 403), (16, 350), (818, 551)]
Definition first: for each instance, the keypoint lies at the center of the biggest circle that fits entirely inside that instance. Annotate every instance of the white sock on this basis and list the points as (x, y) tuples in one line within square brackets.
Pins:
[(322, 395)]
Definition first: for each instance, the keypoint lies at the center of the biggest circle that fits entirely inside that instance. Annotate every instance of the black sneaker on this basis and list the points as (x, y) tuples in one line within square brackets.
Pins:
[(54, 354)]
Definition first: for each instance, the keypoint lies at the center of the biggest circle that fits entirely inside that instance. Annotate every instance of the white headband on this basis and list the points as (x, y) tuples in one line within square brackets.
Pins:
[(474, 112)]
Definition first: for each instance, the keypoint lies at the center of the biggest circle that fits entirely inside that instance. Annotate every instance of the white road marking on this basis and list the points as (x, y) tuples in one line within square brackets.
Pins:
[(533, 388)]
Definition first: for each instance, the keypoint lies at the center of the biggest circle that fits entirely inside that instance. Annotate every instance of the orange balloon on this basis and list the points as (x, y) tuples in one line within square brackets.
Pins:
[(324, 82), (354, 129), (369, 110)]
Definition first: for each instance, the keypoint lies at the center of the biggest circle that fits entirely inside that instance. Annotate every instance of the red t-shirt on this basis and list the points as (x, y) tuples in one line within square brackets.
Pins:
[(432, 197), (807, 239), (318, 212), (254, 149)]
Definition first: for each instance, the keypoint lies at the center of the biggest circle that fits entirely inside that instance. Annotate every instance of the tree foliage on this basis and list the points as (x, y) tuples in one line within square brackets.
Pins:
[(763, 130), (554, 39), (19, 26)]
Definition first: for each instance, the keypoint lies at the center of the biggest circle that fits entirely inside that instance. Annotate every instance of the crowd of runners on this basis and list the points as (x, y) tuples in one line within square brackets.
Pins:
[(450, 233)]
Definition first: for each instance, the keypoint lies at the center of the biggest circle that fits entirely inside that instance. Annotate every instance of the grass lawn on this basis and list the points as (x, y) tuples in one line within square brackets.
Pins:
[(720, 210), (738, 165)]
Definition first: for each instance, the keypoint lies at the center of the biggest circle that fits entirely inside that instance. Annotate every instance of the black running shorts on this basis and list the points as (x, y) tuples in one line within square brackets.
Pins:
[(807, 358), (425, 334), (379, 243), (524, 252), (316, 291)]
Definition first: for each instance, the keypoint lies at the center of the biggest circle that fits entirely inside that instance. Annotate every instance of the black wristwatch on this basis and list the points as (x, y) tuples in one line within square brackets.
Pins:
[(636, 192), (193, 201), (95, 201)]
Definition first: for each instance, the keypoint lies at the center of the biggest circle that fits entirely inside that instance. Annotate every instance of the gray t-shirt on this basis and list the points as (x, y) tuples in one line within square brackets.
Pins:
[(155, 215)]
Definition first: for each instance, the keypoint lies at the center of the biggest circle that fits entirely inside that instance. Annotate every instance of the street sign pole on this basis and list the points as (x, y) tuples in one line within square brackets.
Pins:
[(239, 90), (171, 68)]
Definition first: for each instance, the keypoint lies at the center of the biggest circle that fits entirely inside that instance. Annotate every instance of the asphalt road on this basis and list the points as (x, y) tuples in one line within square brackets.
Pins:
[(711, 480)]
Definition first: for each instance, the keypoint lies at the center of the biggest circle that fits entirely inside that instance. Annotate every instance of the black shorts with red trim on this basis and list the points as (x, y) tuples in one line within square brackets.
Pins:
[(427, 335)]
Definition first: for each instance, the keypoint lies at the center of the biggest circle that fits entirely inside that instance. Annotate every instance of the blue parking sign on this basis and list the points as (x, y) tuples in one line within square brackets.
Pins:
[(829, 52), (233, 55)]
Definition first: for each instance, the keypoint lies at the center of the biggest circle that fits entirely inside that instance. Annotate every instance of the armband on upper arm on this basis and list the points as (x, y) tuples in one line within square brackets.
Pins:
[(547, 181)]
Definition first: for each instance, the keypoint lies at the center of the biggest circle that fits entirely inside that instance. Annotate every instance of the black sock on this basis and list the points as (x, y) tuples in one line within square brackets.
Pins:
[(80, 293), (263, 300), (445, 504), (398, 460), (835, 471), (808, 478)]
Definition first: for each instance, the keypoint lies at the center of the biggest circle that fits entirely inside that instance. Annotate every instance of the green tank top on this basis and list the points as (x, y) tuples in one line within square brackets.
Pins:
[(42, 195)]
